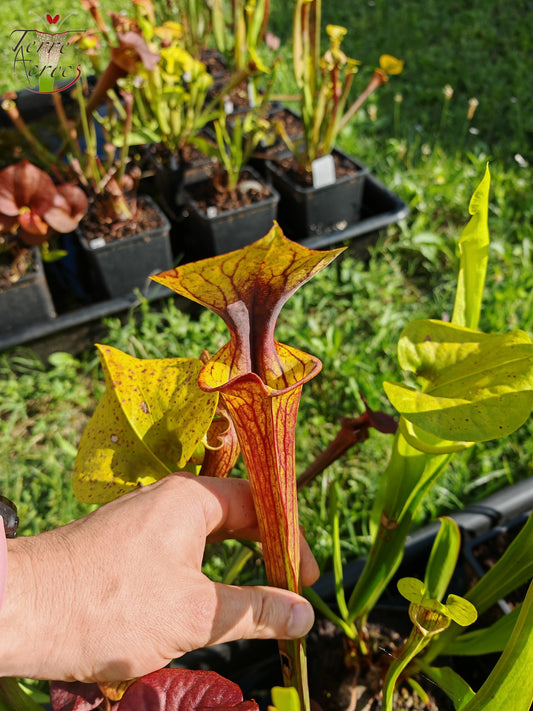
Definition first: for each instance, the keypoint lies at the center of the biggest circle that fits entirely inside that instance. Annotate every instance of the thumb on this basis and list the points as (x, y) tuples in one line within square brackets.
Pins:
[(260, 612)]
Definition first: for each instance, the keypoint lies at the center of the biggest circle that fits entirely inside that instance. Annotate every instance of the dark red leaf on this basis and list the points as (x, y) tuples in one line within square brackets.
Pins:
[(243, 706), (74, 696), (184, 690), (381, 421)]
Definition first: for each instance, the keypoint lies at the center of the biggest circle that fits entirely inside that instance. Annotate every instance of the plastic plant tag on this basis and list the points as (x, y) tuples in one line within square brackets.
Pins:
[(251, 95), (323, 169), (211, 211), (97, 243)]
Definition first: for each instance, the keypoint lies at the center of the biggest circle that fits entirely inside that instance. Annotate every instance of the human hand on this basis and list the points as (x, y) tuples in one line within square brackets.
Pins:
[(120, 592)]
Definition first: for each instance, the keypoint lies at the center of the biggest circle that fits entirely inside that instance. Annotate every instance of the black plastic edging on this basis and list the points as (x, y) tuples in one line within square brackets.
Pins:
[(473, 521)]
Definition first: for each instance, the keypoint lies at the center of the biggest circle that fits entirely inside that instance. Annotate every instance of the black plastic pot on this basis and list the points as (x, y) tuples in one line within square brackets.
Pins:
[(121, 266), (380, 208), (26, 302), (310, 212), (206, 234)]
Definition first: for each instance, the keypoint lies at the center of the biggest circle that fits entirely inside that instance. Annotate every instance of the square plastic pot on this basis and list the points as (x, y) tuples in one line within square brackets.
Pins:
[(27, 302), (227, 230), (307, 211), (120, 266)]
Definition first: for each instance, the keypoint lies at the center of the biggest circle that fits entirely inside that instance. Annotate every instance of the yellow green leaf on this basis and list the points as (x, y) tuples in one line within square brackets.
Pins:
[(443, 558), (460, 610), (474, 249), (426, 442), (510, 684), (412, 589), (474, 386), (147, 425), (285, 698)]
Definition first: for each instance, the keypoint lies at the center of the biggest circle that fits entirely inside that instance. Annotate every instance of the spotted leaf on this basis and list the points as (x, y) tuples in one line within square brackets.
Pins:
[(147, 425)]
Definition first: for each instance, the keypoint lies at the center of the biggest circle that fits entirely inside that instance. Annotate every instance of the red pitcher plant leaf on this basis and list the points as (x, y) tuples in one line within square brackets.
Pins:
[(221, 444), (148, 424), (260, 381), (186, 690)]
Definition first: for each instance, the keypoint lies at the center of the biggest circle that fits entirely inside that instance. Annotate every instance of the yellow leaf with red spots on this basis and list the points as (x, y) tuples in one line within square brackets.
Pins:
[(147, 425)]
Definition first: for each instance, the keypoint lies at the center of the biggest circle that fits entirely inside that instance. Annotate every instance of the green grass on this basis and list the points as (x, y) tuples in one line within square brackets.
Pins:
[(423, 148)]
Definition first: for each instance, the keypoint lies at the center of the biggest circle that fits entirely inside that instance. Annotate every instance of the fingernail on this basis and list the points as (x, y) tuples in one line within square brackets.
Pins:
[(301, 620)]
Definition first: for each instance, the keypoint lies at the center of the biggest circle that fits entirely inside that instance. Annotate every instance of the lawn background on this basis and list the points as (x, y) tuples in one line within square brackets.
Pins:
[(422, 146)]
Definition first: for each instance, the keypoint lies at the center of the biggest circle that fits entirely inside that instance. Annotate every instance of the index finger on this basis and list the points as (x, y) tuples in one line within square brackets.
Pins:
[(231, 514), (228, 507)]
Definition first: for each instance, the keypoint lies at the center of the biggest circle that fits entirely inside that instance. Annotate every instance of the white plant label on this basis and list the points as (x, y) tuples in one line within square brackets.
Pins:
[(251, 94), (323, 169), (97, 243)]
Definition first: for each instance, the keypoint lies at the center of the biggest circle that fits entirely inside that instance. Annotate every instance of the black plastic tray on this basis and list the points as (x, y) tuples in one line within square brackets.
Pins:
[(381, 208), (79, 318)]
